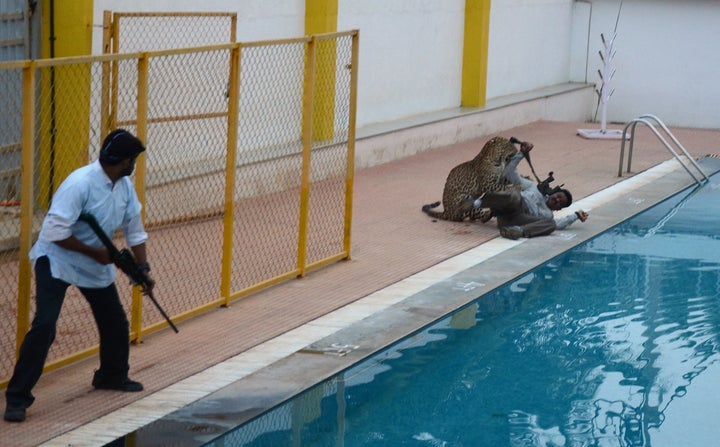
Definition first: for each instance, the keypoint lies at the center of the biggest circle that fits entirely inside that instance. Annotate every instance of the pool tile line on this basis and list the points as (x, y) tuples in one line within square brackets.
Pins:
[(198, 386)]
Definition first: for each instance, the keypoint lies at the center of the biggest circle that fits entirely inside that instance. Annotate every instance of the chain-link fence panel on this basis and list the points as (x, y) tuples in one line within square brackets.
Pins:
[(10, 164), (151, 31), (67, 137), (232, 202), (185, 175), (269, 159), (329, 160)]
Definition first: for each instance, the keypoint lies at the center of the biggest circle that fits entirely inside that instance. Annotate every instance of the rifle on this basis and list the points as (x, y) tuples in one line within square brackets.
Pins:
[(125, 261), (543, 186)]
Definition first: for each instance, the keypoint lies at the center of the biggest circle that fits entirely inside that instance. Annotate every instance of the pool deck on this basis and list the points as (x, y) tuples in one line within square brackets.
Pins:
[(406, 271)]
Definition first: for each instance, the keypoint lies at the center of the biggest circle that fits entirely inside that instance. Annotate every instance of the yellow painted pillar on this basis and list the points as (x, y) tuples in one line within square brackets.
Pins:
[(321, 17), (475, 53), (64, 92), (72, 27)]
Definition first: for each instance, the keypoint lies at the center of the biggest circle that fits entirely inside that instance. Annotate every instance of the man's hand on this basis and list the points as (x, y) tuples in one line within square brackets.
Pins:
[(582, 215), (102, 256), (148, 284), (99, 254), (142, 270)]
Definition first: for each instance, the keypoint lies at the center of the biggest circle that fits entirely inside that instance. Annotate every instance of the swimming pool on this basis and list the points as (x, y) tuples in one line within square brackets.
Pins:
[(612, 343)]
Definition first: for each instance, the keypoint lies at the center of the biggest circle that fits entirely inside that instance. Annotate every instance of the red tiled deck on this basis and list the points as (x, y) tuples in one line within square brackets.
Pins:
[(391, 240)]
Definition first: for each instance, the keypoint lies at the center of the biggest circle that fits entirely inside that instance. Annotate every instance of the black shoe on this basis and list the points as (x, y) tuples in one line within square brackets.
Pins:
[(126, 385), (511, 232), (14, 414)]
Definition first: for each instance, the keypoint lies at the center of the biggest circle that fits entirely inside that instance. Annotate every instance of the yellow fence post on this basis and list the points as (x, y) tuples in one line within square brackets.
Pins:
[(307, 138), (105, 83), (225, 163), (26, 203), (350, 171), (114, 73), (136, 326), (232, 140)]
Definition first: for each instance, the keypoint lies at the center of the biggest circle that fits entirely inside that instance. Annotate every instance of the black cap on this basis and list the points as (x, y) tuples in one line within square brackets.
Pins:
[(120, 145)]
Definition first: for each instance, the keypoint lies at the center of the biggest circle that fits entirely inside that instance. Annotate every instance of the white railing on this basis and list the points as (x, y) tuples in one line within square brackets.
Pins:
[(644, 120)]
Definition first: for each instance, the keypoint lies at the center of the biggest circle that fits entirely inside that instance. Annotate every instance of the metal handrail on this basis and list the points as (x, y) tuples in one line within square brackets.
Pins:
[(642, 119)]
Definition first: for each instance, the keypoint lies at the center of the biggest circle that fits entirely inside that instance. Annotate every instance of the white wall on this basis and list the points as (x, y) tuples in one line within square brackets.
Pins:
[(529, 45), (411, 50), (667, 62), (257, 19), (410, 55)]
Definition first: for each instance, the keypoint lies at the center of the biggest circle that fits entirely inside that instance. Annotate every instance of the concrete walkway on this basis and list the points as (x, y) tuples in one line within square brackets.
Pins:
[(392, 240)]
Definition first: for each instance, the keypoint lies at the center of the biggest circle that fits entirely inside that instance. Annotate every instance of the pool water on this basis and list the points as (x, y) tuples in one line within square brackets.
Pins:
[(614, 343)]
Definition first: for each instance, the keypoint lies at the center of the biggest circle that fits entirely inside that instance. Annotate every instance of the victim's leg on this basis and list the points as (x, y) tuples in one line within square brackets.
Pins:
[(541, 227), (502, 202)]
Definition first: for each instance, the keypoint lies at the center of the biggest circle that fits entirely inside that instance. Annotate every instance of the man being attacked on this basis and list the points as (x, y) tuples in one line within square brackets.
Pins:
[(524, 211), (68, 252)]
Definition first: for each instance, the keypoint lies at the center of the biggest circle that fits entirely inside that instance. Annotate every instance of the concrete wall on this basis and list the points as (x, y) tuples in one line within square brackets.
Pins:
[(410, 55), (411, 50), (257, 19), (667, 63), (529, 45)]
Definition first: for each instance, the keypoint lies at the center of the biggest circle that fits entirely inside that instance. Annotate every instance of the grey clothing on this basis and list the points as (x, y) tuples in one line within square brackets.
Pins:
[(525, 206)]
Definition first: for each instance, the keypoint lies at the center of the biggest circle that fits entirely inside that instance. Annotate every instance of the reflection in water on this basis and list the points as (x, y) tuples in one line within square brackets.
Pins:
[(624, 345), (590, 349)]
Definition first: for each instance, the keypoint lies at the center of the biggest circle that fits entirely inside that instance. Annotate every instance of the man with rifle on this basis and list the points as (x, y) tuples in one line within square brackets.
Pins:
[(69, 252)]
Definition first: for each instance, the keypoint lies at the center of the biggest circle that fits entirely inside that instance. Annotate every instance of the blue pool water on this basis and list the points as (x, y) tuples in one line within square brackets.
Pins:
[(614, 343)]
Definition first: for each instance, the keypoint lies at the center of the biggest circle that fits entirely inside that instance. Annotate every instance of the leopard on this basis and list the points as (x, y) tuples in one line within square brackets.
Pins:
[(469, 180)]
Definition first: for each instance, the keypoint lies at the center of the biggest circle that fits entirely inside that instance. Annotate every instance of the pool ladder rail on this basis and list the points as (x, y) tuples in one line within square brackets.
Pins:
[(644, 119)]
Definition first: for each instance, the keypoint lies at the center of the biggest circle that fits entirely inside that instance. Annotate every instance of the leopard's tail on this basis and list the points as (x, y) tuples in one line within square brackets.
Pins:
[(428, 209)]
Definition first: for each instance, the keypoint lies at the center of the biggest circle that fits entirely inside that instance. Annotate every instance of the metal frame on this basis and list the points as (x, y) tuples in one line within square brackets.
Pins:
[(644, 120)]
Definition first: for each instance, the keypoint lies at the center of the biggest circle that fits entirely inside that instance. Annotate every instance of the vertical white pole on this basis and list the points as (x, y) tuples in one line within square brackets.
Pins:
[(606, 76)]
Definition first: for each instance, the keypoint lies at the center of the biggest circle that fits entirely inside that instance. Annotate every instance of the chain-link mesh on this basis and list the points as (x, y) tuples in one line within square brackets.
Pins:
[(68, 136), (178, 102), (330, 148), (269, 160), (10, 159), (185, 180), (159, 31)]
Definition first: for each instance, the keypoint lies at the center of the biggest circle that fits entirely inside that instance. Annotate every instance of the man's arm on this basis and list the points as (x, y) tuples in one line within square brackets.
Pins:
[(565, 222), (57, 230), (140, 254), (99, 254), (136, 236), (512, 175)]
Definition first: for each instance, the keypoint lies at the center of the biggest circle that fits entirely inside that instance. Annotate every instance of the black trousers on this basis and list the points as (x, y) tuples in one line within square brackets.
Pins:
[(510, 210), (111, 322)]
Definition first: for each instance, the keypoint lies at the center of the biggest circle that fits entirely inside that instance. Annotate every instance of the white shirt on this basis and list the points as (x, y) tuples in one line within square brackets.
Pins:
[(535, 201), (88, 190)]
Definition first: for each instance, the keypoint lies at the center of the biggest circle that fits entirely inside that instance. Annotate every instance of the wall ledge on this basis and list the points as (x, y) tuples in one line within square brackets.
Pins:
[(384, 142)]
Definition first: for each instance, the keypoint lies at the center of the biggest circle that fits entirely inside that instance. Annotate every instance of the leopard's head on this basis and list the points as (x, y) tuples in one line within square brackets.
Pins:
[(497, 152)]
